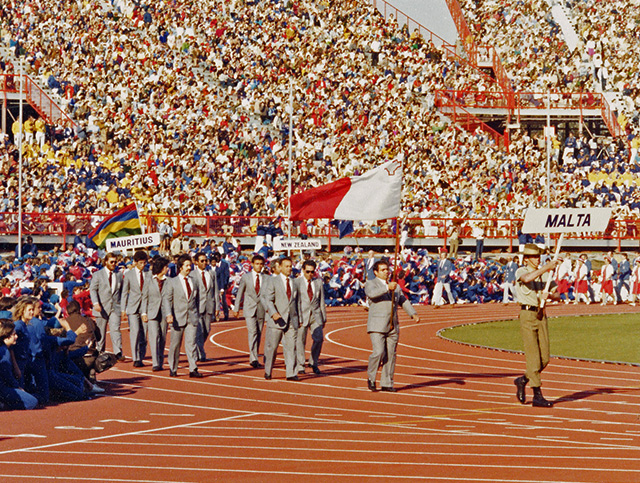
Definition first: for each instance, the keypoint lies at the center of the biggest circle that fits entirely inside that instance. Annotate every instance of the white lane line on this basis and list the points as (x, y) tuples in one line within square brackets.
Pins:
[(302, 449), (131, 433), (290, 459)]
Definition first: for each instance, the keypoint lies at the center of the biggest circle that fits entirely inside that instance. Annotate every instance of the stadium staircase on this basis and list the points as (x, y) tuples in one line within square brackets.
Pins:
[(38, 95), (500, 112)]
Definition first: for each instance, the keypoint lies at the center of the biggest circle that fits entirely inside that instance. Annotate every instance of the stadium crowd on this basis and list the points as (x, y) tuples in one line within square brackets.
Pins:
[(185, 110)]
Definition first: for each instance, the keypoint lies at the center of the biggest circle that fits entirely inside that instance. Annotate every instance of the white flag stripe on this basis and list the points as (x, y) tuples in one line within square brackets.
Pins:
[(373, 196)]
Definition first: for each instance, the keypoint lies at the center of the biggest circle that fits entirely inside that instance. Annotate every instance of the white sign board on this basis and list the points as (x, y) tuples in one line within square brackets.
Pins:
[(135, 241), (566, 220), (296, 244)]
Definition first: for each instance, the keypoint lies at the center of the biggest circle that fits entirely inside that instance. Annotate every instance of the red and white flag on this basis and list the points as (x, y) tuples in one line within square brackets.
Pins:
[(375, 195)]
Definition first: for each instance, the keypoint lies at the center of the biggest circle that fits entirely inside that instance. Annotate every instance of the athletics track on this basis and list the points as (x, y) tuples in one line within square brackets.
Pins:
[(454, 418)]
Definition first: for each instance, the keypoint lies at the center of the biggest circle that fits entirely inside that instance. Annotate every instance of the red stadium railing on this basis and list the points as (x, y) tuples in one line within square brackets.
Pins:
[(36, 97), (386, 9), (244, 227), (448, 103)]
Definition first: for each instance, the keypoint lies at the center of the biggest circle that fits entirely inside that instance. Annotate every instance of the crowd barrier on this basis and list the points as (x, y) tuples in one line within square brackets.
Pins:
[(245, 227)]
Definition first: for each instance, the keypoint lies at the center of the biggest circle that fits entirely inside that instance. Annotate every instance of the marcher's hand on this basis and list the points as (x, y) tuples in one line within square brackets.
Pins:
[(416, 318), (392, 286), (234, 314), (123, 316), (144, 318)]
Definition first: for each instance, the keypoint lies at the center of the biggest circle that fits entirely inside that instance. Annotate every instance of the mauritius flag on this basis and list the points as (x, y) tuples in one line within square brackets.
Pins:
[(123, 222)]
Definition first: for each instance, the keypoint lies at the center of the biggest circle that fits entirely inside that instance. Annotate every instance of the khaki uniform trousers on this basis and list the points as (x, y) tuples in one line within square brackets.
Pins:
[(535, 336)]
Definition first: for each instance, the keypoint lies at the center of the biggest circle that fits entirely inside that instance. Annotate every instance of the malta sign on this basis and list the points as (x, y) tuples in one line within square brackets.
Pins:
[(566, 220), (135, 241), (296, 244)]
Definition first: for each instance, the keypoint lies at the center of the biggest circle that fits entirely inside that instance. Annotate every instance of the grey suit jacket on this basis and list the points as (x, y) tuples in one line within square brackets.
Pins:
[(131, 298), (247, 288), (100, 292), (380, 306), (211, 293), (174, 301), (315, 308), (274, 300), (151, 304)]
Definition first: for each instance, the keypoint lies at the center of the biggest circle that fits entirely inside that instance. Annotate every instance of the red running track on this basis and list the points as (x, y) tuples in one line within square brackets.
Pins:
[(454, 418)]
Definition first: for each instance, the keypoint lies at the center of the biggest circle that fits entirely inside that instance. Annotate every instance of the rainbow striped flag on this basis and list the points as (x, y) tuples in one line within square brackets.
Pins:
[(123, 222)]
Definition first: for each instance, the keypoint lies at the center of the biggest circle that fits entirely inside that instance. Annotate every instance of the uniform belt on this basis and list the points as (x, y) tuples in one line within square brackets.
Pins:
[(530, 308)]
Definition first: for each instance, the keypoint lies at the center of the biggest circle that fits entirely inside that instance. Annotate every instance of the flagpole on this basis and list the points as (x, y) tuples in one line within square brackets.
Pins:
[(290, 154), (394, 274), (20, 157)]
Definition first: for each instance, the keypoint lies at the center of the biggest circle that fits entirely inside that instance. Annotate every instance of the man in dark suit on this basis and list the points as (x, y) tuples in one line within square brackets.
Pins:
[(151, 310), (131, 300), (222, 274), (183, 305), (249, 288), (312, 315), (383, 325), (209, 288), (279, 299), (105, 290)]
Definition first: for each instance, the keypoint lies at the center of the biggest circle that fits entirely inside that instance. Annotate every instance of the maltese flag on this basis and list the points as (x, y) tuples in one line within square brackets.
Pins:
[(375, 195)]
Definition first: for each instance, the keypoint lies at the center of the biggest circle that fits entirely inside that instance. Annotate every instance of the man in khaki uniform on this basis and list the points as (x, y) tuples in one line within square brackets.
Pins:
[(530, 284)]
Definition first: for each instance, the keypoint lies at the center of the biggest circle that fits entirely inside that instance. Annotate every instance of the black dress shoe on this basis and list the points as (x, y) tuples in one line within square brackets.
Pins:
[(255, 364), (316, 370), (293, 378), (371, 385), (388, 389), (204, 359), (138, 364), (156, 368), (173, 373), (520, 383), (267, 377), (301, 371), (195, 374), (120, 357)]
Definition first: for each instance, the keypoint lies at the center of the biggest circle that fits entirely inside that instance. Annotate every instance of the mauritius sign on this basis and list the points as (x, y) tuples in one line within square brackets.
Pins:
[(566, 220)]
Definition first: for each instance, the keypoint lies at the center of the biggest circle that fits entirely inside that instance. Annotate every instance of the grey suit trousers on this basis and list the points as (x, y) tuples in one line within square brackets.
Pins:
[(255, 326), (157, 340), (317, 337), (137, 337), (190, 333), (272, 340), (204, 327), (114, 332), (384, 350)]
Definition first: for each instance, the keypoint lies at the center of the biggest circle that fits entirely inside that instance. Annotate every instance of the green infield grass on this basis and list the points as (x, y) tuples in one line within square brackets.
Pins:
[(614, 338)]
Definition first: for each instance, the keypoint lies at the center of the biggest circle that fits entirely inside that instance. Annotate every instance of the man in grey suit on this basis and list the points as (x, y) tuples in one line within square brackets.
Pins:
[(279, 299), (249, 287), (105, 290), (206, 276), (312, 315), (183, 305), (383, 325), (131, 300), (151, 310)]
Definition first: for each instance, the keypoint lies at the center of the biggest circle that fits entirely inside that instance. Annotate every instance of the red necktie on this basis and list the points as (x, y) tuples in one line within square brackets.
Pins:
[(141, 281), (310, 291), (186, 281), (160, 282), (111, 281), (204, 280), (257, 283), (288, 289)]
